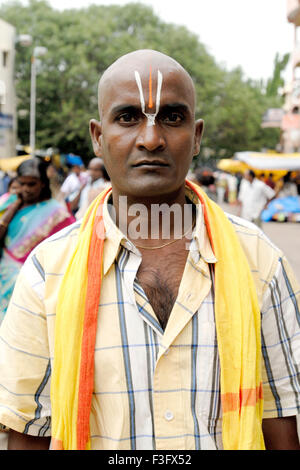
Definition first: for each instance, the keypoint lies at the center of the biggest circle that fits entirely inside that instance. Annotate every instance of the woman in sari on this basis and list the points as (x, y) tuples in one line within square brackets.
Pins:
[(11, 196), (31, 218)]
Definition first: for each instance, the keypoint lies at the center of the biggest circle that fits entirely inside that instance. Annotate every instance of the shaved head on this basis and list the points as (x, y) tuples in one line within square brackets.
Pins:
[(96, 161), (147, 134), (140, 61)]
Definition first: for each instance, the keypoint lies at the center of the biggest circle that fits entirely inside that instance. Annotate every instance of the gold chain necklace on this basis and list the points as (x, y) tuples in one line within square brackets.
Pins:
[(165, 244)]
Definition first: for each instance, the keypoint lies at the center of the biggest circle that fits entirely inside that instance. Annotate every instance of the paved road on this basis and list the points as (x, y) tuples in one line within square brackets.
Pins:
[(285, 235)]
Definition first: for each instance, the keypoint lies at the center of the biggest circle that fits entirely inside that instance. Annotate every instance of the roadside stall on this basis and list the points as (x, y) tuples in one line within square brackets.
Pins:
[(12, 163), (278, 165)]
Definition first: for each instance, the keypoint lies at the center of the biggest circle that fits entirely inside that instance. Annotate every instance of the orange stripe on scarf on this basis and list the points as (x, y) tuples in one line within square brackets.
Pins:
[(86, 381), (207, 224), (246, 397), (56, 444)]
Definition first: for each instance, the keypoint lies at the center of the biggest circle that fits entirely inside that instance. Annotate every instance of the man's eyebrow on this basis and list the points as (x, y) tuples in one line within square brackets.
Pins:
[(124, 108), (130, 108), (175, 106)]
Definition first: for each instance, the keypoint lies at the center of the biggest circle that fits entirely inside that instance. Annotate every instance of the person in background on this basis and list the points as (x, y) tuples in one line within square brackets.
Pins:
[(31, 218), (74, 182), (221, 186), (239, 177), (206, 179), (270, 181), (262, 177), (98, 181), (253, 197), (289, 187), (56, 180), (297, 181), (4, 181), (232, 188), (11, 195)]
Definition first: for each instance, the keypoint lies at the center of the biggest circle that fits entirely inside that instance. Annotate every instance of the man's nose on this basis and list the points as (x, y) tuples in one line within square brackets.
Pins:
[(150, 138)]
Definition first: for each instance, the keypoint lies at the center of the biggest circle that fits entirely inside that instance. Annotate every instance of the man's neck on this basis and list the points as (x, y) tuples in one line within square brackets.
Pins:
[(153, 221)]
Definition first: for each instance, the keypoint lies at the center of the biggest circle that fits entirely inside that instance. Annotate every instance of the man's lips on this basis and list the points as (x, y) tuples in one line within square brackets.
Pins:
[(150, 163)]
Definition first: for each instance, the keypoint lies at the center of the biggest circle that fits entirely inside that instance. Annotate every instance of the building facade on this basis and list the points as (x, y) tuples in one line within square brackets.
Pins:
[(290, 125), (8, 121)]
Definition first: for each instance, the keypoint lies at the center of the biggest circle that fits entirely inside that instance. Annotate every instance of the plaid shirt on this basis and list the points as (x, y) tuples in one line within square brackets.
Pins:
[(153, 389)]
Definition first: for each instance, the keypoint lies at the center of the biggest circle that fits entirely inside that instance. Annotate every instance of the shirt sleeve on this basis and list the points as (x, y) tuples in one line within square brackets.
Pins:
[(24, 357), (65, 187), (242, 190), (281, 343), (269, 192), (69, 185)]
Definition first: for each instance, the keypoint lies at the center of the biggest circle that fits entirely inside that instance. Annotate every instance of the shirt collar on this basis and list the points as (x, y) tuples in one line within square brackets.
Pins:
[(200, 246), (200, 241)]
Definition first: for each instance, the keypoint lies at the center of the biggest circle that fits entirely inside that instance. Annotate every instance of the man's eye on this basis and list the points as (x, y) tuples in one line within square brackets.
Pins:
[(127, 117), (174, 118)]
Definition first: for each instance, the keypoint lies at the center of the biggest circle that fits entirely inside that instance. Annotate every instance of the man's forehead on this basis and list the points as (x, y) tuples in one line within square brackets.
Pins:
[(122, 85), (143, 60)]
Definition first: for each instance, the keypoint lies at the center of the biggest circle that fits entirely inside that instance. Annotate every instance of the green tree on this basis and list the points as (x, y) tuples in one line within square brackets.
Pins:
[(275, 82), (83, 43)]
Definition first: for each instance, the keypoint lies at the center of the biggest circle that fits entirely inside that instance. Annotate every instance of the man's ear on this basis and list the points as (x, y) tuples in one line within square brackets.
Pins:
[(199, 128), (96, 133)]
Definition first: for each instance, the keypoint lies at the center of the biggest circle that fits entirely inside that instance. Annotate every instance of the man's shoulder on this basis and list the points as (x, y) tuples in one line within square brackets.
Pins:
[(63, 235), (242, 224), (45, 267), (248, 230), (260, 251), (261, 185), (258, 182), (72, 176), (55, 252), (244, 186)]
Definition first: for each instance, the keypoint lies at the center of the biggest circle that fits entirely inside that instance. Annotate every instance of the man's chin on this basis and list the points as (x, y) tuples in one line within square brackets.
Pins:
[(154, 189)]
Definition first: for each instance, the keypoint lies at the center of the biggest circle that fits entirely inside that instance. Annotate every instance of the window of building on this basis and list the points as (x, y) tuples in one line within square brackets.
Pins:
[(4, 58)]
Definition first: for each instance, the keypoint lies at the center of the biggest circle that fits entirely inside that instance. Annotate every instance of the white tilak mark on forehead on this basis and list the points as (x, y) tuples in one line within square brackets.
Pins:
[(150, 117)]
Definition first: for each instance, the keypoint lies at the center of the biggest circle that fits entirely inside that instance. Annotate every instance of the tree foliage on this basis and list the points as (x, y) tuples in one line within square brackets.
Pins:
[(275, 82), (83, 43)]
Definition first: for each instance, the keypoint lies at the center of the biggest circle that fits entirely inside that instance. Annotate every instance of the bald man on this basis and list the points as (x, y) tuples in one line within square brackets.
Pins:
[(97, 182), (157, 361)]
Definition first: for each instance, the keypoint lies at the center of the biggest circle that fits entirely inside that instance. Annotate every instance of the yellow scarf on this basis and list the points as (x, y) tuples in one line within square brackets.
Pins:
[(237, 322)]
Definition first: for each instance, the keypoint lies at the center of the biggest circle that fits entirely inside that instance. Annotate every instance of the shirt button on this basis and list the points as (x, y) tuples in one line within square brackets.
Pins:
[(169, 415)]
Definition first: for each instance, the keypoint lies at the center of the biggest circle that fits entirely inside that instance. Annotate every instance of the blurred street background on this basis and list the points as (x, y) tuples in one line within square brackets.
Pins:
[(284, 235)]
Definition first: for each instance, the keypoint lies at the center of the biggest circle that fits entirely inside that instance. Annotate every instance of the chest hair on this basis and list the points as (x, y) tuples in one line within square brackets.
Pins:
[(160, 278)]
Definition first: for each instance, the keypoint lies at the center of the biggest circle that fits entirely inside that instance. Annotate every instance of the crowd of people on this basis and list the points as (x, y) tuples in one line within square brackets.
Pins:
[(253, 192), (36, 202), (30, 212)]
